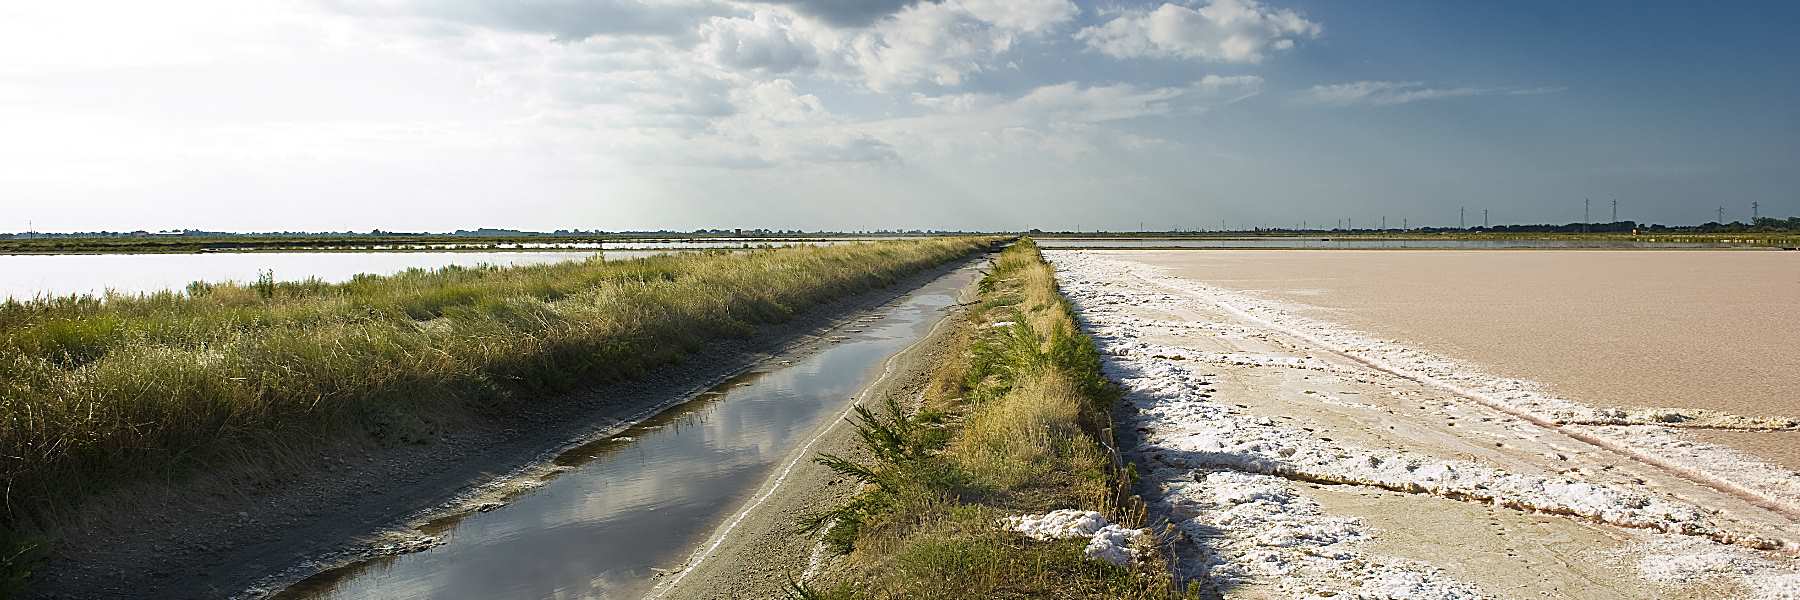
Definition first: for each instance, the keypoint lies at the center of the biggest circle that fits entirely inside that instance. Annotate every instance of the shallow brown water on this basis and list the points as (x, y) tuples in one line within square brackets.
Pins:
[(1686, 329)]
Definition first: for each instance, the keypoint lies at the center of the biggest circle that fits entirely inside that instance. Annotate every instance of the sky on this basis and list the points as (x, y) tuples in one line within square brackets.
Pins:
[(431, 115)]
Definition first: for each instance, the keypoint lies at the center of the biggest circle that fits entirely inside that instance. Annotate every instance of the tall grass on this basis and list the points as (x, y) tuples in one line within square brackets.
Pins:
[(1019, 421), (94, 391)]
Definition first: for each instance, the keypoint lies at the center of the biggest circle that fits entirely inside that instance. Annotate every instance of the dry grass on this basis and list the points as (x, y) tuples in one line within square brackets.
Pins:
[(1018, 423), (94, 391)]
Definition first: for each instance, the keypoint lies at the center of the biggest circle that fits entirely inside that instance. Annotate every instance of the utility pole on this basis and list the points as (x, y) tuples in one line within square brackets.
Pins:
[(1584, 215), (1755, 212), (1615, 210), (1404, 226), (1460, 221), (1384, 222), (1484, 221), (1352, 223)]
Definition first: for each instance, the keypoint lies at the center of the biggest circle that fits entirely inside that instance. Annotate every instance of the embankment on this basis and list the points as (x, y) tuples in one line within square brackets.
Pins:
[(1015, 422), (288, 402)]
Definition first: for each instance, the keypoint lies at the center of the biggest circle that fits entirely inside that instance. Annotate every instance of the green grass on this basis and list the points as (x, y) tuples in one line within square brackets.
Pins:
[(99, 391), (1019, 421)]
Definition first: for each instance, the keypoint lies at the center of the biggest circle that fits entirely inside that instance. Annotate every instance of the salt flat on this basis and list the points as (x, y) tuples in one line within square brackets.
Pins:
[(1636, 328), (1304, 455)]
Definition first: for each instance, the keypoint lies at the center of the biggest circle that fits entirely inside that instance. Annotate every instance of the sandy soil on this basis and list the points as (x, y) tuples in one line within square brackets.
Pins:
[(763, 551), (1297, 470), (1686, 329), (220, 535)]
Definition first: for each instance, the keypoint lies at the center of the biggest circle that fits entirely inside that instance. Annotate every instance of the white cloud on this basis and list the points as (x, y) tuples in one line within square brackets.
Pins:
[(848, 13), (612, 99), (1390, 93), (1022, 15), (941, 43), (766, 41), (568, 20), (1230, 31), (1066, 120)]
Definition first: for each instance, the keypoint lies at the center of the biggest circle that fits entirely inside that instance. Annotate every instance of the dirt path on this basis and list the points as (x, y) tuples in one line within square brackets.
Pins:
[(1298, 471), (760, 549), (216, 536)]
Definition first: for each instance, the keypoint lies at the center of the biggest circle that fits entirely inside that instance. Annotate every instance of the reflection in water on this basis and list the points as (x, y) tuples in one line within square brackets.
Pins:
[(630, 507)]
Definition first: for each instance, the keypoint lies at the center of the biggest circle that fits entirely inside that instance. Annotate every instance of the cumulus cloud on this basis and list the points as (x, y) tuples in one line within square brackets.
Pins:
[(765, 41), (1390, 93), (854, 13), (1230, 31), (736, 87), (1022, 15)]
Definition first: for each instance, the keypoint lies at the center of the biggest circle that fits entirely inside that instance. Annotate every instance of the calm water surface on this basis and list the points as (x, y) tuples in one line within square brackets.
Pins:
[(644, 500), (27, 276)]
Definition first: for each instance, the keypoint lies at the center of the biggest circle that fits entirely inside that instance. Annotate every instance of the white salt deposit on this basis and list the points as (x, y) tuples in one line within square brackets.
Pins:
[(1222, 475), (1113, 544), (1678, 561), (1057, 524), (1106, 541)]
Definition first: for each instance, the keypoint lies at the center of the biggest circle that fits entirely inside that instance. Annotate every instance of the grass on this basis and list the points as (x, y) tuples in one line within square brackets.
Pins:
[(1019, 421), (98, 391)]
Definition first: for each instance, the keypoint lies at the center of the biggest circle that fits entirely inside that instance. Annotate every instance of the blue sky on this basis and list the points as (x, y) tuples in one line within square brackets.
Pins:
[(624, 114)]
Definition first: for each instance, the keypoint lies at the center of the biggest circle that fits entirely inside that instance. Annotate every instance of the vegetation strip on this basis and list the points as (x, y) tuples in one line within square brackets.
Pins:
[(1019, 424), (96, 392)]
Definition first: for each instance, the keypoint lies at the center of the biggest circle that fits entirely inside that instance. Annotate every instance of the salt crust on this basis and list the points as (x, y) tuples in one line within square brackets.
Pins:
[(1768, 484), (1678, 561), (1106, 541), (1221, 473)]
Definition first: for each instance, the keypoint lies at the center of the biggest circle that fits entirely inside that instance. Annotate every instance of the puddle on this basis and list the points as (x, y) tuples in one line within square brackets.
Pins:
[(635, 505)]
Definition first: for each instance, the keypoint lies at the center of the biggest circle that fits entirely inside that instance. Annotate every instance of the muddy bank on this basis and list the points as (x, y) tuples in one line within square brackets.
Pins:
[(215, 536)]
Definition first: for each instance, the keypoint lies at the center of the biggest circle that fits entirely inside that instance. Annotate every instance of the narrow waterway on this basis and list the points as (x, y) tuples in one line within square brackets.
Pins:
[(640, 502)]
